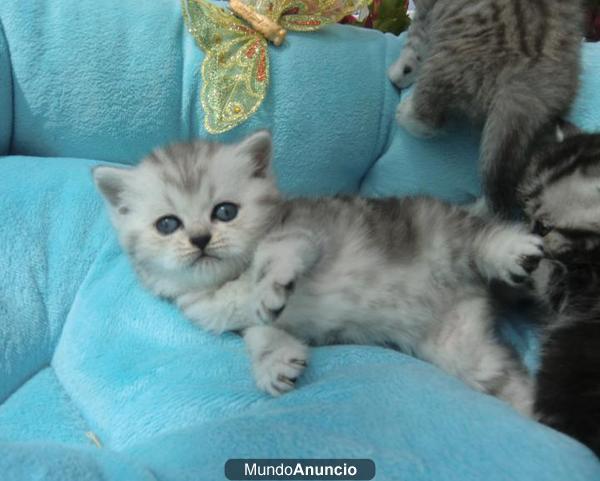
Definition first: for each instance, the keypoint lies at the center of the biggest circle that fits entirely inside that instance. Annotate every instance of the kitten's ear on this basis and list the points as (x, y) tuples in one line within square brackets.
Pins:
[(112, 182), (259, 146)]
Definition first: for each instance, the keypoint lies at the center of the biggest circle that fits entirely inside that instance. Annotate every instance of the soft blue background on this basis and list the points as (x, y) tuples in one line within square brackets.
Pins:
[(85, 348)]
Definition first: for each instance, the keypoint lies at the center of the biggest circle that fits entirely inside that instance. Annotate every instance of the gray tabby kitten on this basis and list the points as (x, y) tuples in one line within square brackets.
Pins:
[(205, 226), (560, 190), (561, 196), (512, 64)]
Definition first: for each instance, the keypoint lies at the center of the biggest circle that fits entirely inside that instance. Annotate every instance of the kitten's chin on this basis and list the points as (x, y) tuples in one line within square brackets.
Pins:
[(202, 260), (214, 268), (171, 282)]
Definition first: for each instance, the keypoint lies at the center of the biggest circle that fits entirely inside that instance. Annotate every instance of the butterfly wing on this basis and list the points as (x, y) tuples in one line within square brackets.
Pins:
[(307, 15), (235, 70), (211, 25), (236, 78)]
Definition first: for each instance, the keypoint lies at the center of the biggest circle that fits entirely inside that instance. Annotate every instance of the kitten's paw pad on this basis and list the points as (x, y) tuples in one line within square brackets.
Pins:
[(276, 371), (406, 117), (403, 72), (515, 256)]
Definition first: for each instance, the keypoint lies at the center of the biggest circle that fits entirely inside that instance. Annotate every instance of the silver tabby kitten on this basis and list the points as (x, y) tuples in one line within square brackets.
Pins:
[(560, 189), (204, 225), (561, 196), (512, 64)]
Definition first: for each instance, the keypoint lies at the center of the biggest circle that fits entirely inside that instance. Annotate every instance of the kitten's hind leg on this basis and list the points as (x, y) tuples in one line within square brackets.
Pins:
[(423, 112), (466, 346), (278, 358), (507, 253)]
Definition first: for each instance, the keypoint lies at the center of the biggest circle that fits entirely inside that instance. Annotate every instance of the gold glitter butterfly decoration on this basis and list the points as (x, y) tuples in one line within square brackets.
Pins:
[(235, 70)]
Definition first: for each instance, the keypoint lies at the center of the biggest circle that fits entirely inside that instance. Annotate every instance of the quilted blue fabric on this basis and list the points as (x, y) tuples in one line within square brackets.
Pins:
[(101, 381)]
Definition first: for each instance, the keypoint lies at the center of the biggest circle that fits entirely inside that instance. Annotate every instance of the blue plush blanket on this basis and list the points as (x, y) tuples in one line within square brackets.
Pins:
[(101, 381)]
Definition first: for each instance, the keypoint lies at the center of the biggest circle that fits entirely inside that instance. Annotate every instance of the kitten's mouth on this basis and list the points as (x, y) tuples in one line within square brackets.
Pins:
[(202, 257)]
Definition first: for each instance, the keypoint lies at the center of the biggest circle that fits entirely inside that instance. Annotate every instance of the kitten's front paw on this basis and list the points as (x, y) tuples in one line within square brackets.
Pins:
[(271, 298), (403, 72), (274, 284), (514, 255), (276, 371)]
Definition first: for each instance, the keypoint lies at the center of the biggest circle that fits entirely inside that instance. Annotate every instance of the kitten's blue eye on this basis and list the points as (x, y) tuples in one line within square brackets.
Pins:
[(168, 224), (225, 212)]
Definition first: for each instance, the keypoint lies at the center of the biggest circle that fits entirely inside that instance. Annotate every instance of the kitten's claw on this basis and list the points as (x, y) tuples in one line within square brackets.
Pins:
[(531, 263), (277, 312), (511, 256), (286, 380), (272, 298), (276, 371), (276, 268)]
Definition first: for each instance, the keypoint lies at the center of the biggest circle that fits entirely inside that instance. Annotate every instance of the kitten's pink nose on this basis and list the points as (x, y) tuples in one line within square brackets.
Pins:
[(200, 241)]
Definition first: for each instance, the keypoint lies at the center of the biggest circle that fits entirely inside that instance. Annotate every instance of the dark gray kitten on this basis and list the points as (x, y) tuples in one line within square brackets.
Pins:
[(204, 225), (561, 196), (513, 64)]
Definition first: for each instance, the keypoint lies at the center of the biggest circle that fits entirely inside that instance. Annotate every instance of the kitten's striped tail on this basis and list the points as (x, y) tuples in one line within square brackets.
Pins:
[(510, 128)]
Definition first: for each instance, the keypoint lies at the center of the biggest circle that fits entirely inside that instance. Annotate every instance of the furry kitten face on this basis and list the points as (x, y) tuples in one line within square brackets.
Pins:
[(561, 190), (192, 211)]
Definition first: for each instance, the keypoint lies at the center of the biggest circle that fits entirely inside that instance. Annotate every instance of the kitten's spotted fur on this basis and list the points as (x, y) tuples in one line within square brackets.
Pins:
[(412, 272), (513, 64)]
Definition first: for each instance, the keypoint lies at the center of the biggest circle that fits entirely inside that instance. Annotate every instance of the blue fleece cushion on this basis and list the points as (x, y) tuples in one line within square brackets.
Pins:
[(6, 94), (87, 354)]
